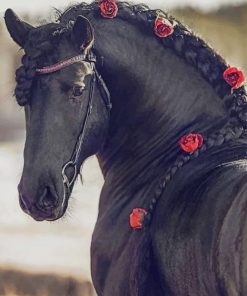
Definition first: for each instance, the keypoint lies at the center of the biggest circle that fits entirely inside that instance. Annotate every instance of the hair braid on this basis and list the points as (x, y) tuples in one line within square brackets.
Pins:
[(185, 44), (226, 134), (24, 77), (143, 251), (210, 65)]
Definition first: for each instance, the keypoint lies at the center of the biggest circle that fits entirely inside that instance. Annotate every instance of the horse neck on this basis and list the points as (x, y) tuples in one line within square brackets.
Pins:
[(157, 98)]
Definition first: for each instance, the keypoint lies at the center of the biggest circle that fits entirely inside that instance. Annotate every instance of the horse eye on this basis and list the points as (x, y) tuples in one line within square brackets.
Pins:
[(77, 91)]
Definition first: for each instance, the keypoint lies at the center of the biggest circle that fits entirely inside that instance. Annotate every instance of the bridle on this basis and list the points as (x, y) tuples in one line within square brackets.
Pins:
[(73, 163)]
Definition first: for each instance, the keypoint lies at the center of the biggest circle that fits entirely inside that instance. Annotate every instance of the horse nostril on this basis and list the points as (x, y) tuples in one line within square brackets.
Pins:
[(48, 200)]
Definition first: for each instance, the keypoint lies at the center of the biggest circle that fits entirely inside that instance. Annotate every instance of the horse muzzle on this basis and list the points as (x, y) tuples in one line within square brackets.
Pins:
[(45, 207)]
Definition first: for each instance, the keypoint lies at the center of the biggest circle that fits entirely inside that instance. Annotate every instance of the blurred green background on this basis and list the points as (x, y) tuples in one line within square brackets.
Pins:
[(53, 258)]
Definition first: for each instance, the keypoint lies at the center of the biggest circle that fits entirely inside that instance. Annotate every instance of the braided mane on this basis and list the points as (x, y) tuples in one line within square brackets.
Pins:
[(211, 66), (183, 42), (195, 52)]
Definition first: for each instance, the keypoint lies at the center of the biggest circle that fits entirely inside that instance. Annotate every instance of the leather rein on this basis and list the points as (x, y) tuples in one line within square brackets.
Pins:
[(95, 78)]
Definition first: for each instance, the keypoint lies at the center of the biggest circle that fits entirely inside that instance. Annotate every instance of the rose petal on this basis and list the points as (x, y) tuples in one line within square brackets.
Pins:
[(162, 27), (191, 142), (137, 217), (234, 77), (109, 8)]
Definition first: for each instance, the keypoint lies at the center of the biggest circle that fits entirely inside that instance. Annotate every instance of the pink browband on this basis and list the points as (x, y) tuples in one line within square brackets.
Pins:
[(61, 65)]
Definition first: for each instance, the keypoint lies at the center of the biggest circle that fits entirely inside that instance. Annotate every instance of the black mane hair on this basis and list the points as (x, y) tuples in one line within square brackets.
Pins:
[(183, 42), (195, 52)]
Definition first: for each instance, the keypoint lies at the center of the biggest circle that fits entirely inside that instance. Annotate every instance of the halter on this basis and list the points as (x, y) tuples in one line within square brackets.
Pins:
[(95, 77)]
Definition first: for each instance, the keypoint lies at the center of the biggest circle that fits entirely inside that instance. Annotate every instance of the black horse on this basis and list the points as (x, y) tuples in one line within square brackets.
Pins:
[(189, 235)]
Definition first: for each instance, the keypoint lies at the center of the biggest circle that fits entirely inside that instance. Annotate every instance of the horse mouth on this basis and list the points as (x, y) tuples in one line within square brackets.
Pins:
[(40, 215)]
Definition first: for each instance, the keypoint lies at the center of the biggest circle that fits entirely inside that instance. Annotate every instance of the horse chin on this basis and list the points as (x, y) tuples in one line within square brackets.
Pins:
[(40, 217), (52, 218)]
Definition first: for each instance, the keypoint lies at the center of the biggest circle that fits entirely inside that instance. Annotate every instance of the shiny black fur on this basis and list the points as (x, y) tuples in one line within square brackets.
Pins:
[(193, 242)]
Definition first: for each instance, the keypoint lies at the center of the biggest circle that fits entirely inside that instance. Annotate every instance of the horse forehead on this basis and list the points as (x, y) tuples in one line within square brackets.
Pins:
[(45, 31), (42, 36)]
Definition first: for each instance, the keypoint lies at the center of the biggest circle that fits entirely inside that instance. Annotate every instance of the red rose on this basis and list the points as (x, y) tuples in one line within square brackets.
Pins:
[(162, 27), (108, 8), (234, 77), (137, 218), (191, 142)]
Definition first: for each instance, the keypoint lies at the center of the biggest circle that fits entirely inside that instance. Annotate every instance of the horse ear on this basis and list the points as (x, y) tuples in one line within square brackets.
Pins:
[(18, 29), (83, 33)]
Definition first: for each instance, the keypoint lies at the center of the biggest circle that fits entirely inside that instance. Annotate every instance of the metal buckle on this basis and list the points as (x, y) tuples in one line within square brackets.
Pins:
[(65, 177)]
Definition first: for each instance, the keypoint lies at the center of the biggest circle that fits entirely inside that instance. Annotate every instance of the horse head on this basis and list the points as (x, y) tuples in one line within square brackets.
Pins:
[(66, 106)]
